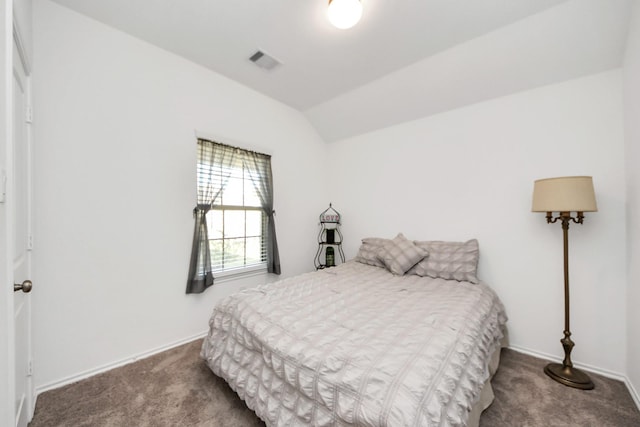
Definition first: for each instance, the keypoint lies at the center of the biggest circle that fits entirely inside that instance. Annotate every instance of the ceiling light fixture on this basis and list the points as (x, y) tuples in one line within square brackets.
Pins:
[(344, 14)]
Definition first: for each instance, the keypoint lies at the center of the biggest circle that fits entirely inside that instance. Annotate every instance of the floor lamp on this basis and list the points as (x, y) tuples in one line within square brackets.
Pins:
[(566, 195)]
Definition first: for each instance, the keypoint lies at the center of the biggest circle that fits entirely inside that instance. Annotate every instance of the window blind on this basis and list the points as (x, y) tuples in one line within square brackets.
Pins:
[(236, 223)]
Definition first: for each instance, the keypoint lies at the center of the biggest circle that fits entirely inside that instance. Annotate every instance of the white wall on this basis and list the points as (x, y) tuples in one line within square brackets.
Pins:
[(115, 188), (469, 173), (632, 154)]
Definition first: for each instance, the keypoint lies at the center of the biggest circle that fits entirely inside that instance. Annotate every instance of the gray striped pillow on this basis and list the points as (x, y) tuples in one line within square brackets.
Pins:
[(368, 252), (449, 260), (400, 254)]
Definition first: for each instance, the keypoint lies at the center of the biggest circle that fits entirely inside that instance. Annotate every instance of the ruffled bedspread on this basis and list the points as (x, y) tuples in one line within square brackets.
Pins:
[(355, 345)]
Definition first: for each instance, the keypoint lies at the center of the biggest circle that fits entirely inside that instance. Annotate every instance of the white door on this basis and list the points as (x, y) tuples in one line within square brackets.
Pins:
[(19, 198), (16, 389)]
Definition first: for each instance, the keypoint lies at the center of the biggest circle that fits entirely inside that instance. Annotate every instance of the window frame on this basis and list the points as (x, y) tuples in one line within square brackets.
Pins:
[(242, 270), (251, 268)]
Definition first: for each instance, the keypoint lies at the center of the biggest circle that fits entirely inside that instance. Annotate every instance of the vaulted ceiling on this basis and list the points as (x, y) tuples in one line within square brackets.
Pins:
[(406, 59)]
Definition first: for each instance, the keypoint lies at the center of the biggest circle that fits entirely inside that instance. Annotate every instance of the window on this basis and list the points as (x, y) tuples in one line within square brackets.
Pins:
[(234, 218), (237, 225)]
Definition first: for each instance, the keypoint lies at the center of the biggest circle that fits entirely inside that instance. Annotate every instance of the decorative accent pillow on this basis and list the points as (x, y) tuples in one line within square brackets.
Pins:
[(449, 260), (368, 252), (400, 254)]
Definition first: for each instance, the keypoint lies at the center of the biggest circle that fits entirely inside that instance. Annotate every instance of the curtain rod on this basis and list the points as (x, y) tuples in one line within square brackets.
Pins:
[(232, 143)]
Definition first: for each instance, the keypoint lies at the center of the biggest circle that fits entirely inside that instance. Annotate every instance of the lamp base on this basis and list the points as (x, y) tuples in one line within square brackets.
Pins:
[(569, 376)]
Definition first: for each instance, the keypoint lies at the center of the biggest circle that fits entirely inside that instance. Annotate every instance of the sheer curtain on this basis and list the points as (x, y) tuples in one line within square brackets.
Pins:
[(215, 163), (259, 168)]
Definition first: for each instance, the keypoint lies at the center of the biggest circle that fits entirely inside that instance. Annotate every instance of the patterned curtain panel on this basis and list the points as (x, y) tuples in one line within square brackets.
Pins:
[(259, 167), (215, 163)]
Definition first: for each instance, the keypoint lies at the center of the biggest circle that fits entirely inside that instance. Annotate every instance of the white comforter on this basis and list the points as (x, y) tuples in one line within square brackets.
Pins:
[(355, 345)]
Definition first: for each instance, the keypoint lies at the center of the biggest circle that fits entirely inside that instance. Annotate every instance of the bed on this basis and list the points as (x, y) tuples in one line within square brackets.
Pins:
[(359, 345)]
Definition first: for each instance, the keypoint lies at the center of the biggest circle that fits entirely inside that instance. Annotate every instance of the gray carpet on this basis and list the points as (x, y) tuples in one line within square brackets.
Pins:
[(175, 388)]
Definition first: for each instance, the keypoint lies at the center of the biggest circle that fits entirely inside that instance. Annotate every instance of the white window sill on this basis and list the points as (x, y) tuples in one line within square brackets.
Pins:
[(239, 273)]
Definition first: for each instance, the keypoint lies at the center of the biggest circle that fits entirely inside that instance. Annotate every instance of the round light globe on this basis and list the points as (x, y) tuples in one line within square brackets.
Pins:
[(344, 14)]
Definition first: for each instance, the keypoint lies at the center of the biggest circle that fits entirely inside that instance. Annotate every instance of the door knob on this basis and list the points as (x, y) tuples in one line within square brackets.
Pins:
[(25, 286)]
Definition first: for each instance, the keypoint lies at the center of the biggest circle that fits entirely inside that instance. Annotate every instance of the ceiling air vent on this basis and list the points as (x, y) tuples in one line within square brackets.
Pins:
[(264, 60)]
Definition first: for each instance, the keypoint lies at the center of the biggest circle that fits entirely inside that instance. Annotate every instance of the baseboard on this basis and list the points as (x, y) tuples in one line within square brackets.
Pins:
[(109, 366), (553, 358), (633, 392)]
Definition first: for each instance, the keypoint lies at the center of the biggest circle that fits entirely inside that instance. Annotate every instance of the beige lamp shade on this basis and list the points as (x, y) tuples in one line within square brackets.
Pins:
[(564, 194)]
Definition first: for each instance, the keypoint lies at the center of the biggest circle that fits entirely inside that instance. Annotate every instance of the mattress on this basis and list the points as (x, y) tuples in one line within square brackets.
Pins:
[(356, 345)]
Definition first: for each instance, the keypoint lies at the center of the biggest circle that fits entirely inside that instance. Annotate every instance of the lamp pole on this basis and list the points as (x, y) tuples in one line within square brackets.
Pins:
[(565, 373)]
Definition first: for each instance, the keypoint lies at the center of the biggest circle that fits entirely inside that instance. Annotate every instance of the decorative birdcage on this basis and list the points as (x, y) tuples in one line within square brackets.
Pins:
[(329, 239)]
